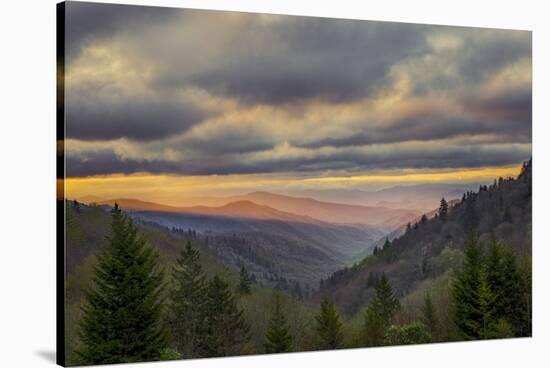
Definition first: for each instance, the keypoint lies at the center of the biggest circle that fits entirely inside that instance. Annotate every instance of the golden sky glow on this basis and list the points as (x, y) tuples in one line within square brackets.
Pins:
[(183, 190)]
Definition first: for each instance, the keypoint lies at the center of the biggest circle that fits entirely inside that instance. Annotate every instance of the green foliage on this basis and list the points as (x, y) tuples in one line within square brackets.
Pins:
[(227, 330), (188, 301), (488, 294), (506, 283), (169, 354), (329, 327), (374, 328), (245, 282), (121, 319), (379, 313), (413, 333), (278, 337), (429, 316), (471, 295)]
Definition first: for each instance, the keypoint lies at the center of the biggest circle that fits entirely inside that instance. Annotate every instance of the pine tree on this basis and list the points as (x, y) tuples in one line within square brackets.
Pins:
[(227, 330), (473, 301), (429, 316), (329, 326), (278, 337), (505, 281), (122, 314), (443, 209), (423, 219), (187, 303), (379, 313), (374, 328), (385, 300), (244, 282)]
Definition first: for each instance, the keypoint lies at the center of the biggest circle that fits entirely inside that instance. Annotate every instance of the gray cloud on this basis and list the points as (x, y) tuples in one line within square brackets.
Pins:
[(136, 118), (451, 156), (87, 22), (289, 64), (334, 60)]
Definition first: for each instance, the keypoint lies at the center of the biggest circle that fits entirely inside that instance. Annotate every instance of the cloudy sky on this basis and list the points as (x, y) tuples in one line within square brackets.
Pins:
[(162, 103)]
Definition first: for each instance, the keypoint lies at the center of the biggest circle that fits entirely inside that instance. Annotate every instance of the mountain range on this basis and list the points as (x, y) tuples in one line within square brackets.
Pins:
[(432, 248), (264, 205)]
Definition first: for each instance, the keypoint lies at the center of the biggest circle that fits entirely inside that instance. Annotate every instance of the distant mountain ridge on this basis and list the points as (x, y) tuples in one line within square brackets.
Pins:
[(418, 197), (378, 216), (238, 209), (271, 248)]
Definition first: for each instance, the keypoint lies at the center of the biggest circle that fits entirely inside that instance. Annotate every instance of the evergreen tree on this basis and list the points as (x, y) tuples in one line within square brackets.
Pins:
[(227, 330), (278, 337), (374, 328), (379, 313), (506, 283), (187, 303), (385, 300), (245, 282), (487, 325), (122, 313), (424, 219), (386, 245), (329, 326), (443, 209), (429, 316), (473, 301)]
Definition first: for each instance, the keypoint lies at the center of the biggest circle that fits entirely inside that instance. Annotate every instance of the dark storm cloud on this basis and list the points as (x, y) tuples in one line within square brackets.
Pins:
[(485, 57), (511, 105), (228, 143), (182, 83), (103, 163), (451, 156), (334, 60), (87, 22), (434, 126), (135, 118)]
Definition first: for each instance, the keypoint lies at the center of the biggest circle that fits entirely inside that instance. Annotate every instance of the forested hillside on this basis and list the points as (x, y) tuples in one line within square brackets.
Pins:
[(87, 228), (298, 251), (431, 248)]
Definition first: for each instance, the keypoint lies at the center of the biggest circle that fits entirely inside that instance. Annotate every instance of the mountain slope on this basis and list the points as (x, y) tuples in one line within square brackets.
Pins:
[(433, 247), (237, 209), (86, 228), (380, 217), (299, 251), (264, 205), (417, 197)]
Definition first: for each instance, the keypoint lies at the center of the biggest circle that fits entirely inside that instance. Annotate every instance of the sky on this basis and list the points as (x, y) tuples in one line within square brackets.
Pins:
[(165, 103)]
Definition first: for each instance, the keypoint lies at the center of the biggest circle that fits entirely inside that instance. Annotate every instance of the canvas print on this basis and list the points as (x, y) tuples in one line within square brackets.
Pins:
[(236, 183)]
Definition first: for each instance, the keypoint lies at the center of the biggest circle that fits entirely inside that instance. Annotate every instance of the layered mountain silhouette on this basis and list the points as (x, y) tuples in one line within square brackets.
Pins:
[(265, 205)]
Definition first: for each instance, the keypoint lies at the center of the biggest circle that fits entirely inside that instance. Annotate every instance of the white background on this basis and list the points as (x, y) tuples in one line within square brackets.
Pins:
[(27, 182)]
